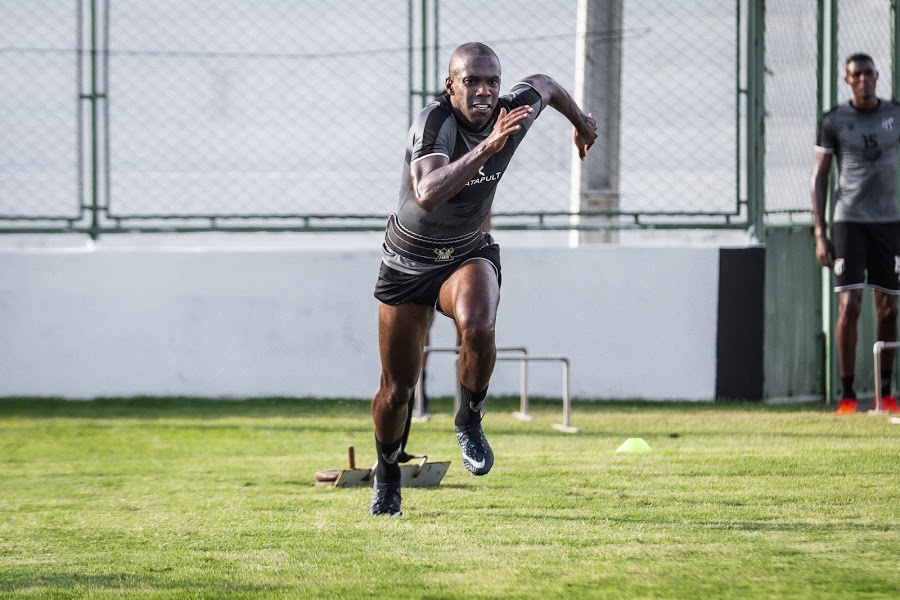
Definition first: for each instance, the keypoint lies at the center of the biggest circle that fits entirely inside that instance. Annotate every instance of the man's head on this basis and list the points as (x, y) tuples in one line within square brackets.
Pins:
[(473, 83), (861, 77)]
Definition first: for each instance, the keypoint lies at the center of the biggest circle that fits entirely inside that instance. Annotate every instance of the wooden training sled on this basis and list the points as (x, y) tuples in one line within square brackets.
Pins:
[(420, 473)]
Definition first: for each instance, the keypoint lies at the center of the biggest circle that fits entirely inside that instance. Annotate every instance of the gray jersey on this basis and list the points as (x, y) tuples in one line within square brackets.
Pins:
[(864, 143), (417, 240)]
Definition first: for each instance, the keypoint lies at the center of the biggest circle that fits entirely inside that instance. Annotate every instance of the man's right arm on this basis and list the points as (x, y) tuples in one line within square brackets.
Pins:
[(556, 96), (435, 179), (819, 185)]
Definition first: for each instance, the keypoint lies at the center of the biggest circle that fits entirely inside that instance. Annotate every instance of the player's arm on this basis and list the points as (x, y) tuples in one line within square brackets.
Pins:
[(819, 187), (435, 179), (557, 97)]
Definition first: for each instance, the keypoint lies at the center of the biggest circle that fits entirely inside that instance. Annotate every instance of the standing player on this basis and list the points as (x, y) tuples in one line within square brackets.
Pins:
[(436, 256), (863, 135)]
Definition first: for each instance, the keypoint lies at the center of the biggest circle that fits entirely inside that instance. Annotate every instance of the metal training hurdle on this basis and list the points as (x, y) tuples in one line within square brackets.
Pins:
[(876, 351), (566, 426), (419, 413)]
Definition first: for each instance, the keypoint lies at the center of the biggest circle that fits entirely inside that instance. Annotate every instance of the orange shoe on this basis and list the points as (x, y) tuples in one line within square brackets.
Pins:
[(847, 406), (889, 404)]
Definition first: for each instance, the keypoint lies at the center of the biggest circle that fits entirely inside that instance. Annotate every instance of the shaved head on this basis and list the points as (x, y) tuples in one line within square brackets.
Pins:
[(467, 51), (473, 84)]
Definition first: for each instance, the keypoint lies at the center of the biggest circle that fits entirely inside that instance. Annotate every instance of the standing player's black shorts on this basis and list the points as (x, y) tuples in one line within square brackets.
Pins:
[(396, 287), (867, 253)]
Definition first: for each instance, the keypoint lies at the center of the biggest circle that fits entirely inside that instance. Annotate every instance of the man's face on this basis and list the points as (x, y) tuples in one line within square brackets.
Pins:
[(474, 86), (861, 77)]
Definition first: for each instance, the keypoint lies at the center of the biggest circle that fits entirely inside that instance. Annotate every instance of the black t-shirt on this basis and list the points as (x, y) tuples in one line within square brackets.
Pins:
[(454, 228)]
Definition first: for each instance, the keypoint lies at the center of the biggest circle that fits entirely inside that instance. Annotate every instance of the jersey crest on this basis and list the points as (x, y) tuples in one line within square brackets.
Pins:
[(443, 254)]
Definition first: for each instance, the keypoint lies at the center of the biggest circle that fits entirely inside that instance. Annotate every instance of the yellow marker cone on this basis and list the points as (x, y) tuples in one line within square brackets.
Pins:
[(634, 445)]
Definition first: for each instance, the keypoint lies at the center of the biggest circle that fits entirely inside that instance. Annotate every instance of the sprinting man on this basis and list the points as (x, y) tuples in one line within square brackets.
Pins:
[(436, 256), (863, 135)]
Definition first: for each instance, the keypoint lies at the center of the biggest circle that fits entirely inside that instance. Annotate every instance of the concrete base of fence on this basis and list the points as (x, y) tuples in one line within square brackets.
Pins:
[(635, 322)]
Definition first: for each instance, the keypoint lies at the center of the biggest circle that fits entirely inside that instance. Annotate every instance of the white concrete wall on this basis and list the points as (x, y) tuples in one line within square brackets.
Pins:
[(80, 323)]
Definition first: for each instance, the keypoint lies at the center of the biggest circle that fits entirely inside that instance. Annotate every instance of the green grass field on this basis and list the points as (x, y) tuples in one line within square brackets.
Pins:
[(181, 498)]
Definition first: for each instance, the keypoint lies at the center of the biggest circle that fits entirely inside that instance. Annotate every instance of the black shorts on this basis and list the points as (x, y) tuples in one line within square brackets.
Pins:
[(396, 287), (867, 254)]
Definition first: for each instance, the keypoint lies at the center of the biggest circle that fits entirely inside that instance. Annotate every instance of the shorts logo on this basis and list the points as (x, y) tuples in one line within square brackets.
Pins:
[(839, 267), (888, 124), (443, 254)]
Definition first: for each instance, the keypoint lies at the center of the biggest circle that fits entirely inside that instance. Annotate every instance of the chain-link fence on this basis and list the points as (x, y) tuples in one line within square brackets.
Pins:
[(125, 115), (679, 115), (798, 37), (865, 26), (791, 97), (40, 155), (122, 115)]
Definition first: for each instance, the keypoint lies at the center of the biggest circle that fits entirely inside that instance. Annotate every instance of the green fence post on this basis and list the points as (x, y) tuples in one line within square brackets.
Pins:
[(95, 204), (895, 51), (756, 93), (828, 60)]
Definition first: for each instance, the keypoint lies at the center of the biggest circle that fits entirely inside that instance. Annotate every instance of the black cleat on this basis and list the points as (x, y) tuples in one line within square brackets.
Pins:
[(476, 452), (386, 499)]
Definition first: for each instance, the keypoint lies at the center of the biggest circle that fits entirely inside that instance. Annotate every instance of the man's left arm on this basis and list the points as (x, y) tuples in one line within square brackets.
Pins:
[(557, 97)]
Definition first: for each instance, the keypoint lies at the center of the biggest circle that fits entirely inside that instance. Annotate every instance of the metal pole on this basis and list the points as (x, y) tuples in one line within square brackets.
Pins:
[(95, 207), (437, 47), (565, 426), (756, 46), (820, 58), (424, 51), (832, 101), (832, 50), (738, 167), (828, 98), (409, 61), (79, 74), (525, 358), (105, 95), (823, 287), (895, 54), (457, 399), (419, 402), (876, 351), (523, 399)]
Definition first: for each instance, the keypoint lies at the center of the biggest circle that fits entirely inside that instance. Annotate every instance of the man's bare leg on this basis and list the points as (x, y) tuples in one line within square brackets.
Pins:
[(850, 305), (401, 335), (471, 296)]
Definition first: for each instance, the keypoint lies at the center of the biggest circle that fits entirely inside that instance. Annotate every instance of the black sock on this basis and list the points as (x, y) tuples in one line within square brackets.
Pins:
[(469, 406), (886, 384), (387, 469), (847, 387)]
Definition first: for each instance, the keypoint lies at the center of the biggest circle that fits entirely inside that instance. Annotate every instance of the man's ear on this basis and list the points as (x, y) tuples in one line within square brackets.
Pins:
[(448, 85)]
